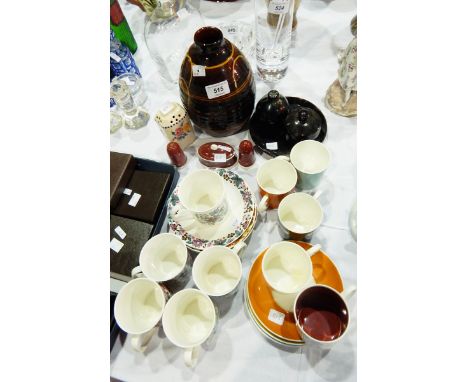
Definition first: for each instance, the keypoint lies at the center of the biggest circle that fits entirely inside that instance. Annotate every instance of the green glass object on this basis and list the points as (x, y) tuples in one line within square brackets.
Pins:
[(120, 26)]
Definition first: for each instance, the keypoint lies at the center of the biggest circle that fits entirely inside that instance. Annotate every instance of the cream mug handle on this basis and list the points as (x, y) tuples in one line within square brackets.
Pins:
[(140, 342), (239, 248), (184, 217), (137, 272), (263, 205), (191, 356), (314, 249)]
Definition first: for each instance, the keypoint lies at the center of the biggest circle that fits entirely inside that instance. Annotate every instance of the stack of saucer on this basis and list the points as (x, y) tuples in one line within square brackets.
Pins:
[(275, 323), (236, 226)]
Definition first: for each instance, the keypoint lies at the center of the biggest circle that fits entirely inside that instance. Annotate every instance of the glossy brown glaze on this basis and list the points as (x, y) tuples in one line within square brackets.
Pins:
[(226, 114), (176, 154), (246, 153), (272, 109), (302, 123), (217, 154), (322, 313)]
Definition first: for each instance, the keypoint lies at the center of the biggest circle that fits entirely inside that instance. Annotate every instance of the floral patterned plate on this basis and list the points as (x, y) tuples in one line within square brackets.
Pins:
[(242, 209), (247, 231)]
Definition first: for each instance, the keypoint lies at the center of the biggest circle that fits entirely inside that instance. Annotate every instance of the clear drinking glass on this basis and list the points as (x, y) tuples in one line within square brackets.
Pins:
[(242, 35), (116, 121), (135, 84), (273, 24), (133, 116)]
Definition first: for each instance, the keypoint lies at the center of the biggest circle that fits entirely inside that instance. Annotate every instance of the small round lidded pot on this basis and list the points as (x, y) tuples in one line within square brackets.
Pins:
[(175, 124), (217, 155), (273, 108), (302, 123)]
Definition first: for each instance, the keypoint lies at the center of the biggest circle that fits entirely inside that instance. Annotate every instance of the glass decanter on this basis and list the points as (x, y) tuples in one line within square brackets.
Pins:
[(134, 116), (169, 33)]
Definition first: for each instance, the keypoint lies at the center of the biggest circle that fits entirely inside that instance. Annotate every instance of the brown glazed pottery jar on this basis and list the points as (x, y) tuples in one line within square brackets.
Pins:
[(217, 86)]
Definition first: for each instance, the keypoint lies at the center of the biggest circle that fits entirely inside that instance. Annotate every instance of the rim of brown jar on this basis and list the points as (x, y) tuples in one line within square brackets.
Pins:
[(208, 38)]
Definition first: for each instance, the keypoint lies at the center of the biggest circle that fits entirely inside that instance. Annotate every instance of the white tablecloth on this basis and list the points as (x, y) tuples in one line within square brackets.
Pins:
[(238, 351)]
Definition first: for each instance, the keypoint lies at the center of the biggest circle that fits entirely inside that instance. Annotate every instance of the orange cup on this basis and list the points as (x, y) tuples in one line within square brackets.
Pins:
[(276, 179)]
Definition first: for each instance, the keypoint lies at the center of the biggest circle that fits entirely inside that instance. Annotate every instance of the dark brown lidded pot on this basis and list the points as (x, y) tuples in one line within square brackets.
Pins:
[(216, 84), (302, 123)]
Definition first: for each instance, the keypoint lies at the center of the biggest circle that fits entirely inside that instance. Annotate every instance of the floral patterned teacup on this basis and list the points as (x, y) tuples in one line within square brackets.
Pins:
[(203, 196), (175, 124)]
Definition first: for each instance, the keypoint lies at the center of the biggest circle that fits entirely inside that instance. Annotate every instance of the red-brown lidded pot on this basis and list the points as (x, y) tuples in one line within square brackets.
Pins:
[(217, 154), (176, 154), (246, 154)]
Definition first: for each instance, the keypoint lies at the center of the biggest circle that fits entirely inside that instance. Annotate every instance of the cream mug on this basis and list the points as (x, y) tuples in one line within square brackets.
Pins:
[(188, 320), (138, 308), (276, 178), (217, 270), (287, 269), (311, 159), (203, 196), (299, 215), (163, 258)]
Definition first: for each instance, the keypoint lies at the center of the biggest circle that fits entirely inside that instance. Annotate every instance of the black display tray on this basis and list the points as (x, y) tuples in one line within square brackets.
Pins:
[(262, 134), (114, 328), (149, 165)]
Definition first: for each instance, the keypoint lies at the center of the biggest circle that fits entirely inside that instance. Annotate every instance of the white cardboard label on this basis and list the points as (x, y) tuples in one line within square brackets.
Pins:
[(134, 199), (115, 57), (120, 232), (278, 7), (217, 90), (220, 157), (272, 145), (276, 317), (198, 71), (116, 245), (127, 191)]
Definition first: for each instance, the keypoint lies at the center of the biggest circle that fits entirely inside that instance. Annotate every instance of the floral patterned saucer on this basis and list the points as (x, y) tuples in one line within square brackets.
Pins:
[(242, 209)]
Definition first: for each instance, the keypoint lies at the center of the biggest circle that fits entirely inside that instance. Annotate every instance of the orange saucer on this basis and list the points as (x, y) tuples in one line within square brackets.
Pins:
[(261, 300)]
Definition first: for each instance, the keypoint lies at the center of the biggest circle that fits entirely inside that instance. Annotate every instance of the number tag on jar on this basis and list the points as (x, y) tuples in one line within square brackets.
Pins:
[(198, 71), (278, 7), (217, 90)]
